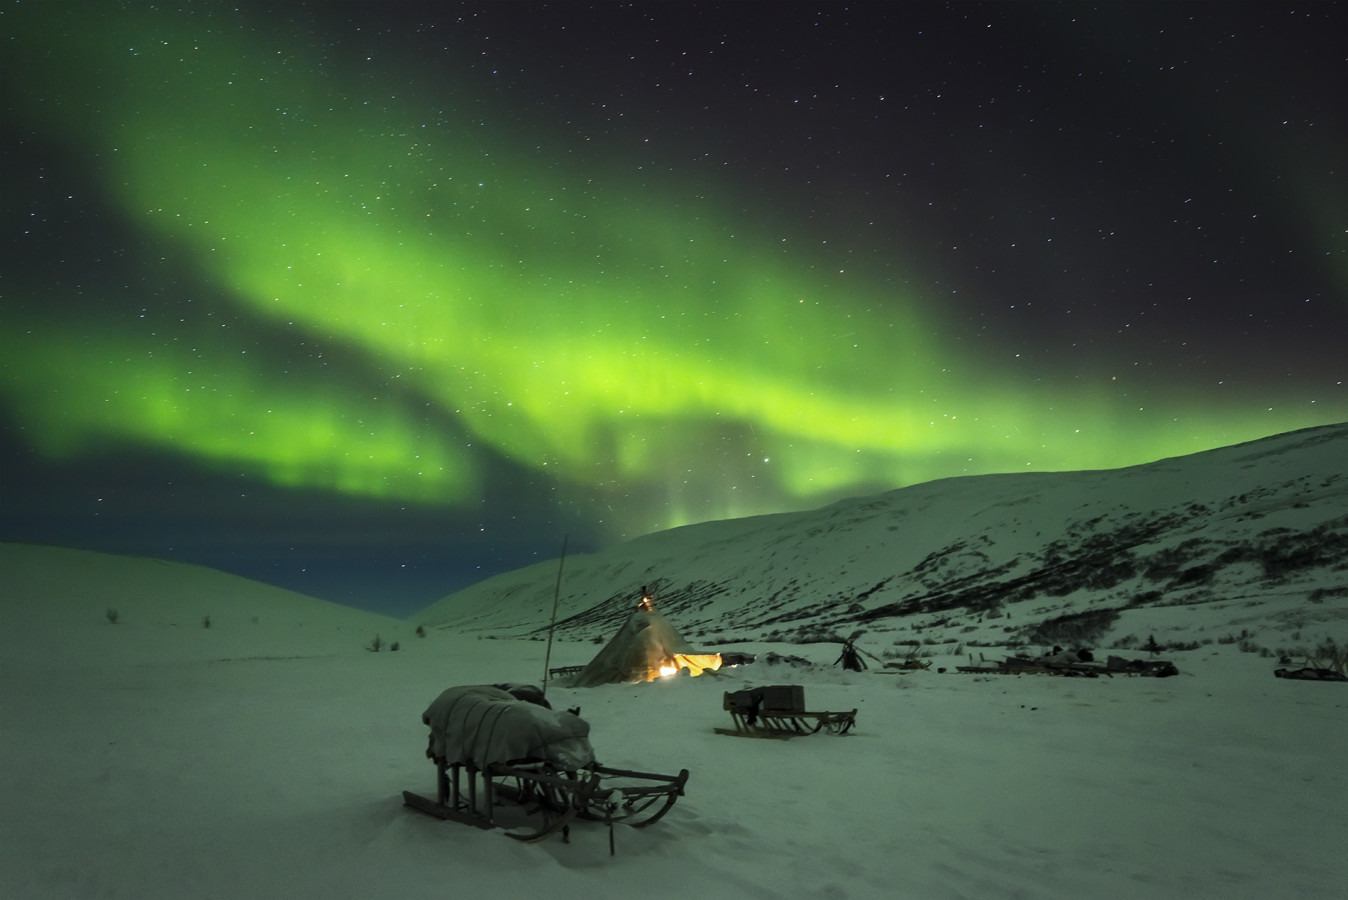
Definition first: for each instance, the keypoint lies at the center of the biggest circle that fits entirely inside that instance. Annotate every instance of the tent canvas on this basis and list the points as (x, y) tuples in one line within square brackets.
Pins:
[(646, 647)]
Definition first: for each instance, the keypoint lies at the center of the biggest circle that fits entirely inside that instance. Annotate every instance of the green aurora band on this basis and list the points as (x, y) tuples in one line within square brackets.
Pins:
[(606, 329)]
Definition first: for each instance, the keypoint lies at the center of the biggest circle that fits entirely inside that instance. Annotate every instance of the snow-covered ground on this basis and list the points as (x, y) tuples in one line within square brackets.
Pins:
[(265, 756)]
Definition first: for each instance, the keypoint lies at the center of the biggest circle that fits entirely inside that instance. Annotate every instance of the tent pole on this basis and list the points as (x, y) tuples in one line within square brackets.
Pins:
[(556, 595)]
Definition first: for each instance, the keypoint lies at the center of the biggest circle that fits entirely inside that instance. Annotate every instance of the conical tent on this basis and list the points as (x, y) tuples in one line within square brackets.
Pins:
[(646, 647)]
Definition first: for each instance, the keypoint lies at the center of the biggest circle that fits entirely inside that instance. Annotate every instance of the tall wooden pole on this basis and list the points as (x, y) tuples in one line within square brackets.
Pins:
[(556, 595)]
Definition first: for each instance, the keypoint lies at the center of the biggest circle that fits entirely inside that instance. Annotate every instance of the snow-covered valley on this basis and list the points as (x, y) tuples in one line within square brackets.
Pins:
[(170, 731)]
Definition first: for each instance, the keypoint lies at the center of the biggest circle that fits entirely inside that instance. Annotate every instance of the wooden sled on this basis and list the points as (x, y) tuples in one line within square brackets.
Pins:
[(533, 788), (779, 712)]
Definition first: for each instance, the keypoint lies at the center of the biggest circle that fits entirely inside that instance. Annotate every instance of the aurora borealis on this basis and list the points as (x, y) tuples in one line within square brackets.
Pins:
[(381, 298)]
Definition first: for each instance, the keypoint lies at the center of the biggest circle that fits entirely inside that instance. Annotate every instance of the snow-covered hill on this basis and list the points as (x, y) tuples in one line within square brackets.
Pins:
[(166, 610), (1257, 532)]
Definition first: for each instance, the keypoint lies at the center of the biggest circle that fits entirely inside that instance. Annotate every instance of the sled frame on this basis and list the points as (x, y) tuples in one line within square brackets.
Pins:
[(784, 723), (629, 797)]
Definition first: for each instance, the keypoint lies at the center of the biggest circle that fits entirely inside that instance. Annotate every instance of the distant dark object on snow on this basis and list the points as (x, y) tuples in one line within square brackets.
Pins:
[(1309, 674), (1061, 657), (1069, 663), (851, 657), (1156, 668), (772, 658)]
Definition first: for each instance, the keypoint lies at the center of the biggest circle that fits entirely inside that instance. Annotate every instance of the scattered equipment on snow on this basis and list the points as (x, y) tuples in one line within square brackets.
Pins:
[(1072, 664), (521, 758), (1310, 673), (852, 656)]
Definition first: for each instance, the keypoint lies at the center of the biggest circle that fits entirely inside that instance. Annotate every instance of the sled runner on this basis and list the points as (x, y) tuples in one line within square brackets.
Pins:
[(543, 800), (505, 762), (779, 712)]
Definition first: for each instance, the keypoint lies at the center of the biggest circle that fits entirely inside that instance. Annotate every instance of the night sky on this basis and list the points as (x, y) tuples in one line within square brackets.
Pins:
[(374, 300)]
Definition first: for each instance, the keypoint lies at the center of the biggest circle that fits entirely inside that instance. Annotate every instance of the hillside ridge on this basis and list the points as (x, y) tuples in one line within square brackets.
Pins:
[(1262, 524)]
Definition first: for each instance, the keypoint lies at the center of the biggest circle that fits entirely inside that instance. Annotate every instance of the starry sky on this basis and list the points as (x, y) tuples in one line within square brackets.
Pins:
[(375, 300)]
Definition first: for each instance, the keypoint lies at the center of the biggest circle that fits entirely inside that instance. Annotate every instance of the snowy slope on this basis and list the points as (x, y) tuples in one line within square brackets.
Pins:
[(1258, 531), (186, 611)]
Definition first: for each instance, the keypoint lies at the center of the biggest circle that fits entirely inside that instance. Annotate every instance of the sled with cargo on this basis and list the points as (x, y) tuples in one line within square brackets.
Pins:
[(779, 712), (504, 759)]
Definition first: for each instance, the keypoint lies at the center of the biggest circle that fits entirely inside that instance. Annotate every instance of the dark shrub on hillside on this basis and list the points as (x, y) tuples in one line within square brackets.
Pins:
[(1195, 576), (1281, 561), (1120, 569), (1146, 598), (1074, 629), (1282, 552), (1166, 564)]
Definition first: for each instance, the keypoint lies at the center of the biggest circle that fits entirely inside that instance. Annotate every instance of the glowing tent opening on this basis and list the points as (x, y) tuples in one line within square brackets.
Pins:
[(645, 648)]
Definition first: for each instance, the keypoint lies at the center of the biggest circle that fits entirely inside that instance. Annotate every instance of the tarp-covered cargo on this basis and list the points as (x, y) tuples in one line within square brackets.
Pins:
[(482, 725)]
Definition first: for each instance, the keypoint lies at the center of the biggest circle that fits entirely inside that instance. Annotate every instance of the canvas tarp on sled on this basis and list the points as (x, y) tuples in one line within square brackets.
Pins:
[(483, 725)]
